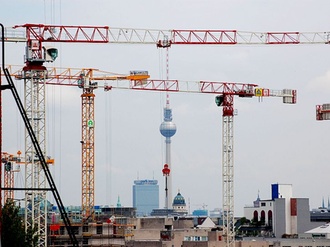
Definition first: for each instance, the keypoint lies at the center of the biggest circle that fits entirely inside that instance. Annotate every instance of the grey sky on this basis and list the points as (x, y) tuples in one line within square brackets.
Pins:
[(273, 142)]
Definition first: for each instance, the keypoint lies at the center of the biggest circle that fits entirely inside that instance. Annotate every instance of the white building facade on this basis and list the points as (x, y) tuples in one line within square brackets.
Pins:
[(285, 214)]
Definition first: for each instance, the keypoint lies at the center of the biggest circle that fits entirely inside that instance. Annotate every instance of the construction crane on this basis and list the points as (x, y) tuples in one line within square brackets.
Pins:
[(226, 100), (11, 165), (9, 161), (323, 112), (36, 35), (88, 83), (159, 37)]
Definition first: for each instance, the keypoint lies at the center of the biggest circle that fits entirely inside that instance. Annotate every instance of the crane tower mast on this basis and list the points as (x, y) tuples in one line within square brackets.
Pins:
[(9, 161), (87, 144), (34, 75)]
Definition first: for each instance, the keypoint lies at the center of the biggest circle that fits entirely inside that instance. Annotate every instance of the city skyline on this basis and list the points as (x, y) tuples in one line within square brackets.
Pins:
[(273, 142)]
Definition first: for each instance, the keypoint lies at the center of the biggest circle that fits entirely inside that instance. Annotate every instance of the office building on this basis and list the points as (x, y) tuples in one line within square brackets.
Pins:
[(145, 196)]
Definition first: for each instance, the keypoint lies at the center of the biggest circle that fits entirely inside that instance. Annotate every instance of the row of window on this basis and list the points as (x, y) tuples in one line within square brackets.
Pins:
[(262, 215), (195, 238), (75, 229)]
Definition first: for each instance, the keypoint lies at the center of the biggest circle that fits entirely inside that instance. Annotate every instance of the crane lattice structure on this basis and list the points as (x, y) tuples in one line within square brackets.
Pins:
[(34, 73), (9, 161), (105, 34), (11, 165)]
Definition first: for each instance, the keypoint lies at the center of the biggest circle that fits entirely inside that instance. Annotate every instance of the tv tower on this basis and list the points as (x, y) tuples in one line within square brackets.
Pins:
[(168, 129)]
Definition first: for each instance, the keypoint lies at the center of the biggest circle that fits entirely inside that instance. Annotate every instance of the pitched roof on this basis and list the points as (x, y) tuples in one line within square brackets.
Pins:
[(207, 223), (321, 229)]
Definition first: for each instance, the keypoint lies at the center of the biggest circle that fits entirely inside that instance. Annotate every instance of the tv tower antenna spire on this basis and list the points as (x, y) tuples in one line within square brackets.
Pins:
[(167, 129)]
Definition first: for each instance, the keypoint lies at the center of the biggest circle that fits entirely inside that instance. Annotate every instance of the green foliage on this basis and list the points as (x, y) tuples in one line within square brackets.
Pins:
[(31, 239), (13, 233), (244, 220)]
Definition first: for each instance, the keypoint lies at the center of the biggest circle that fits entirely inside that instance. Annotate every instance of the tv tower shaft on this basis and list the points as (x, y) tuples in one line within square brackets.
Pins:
[(168, 129)]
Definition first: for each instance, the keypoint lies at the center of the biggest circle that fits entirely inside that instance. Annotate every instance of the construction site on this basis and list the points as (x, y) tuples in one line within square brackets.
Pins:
[(72, 205)]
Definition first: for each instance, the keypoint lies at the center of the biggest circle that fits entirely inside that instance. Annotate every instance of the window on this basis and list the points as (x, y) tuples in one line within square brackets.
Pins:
[(196, 238), (99, 229), (262, 217), (270, 218), (255, 216), (263, 204), (62, 230), (75, 230), (85, 240)]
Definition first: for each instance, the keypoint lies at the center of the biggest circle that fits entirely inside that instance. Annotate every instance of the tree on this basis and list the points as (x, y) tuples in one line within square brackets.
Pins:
[(13, 233), (31, 238)]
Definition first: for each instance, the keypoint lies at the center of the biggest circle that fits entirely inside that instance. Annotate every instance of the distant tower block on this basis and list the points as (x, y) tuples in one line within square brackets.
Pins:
[(168, 129)]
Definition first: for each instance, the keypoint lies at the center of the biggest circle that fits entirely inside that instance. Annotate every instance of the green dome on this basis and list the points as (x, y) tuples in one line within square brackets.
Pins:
[(179, 200)]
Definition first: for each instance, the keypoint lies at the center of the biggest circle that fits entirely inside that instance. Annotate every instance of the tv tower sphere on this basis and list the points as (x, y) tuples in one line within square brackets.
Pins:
[(167, 128)]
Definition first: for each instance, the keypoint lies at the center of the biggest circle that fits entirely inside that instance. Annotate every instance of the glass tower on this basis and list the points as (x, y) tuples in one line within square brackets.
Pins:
[(145, 196)]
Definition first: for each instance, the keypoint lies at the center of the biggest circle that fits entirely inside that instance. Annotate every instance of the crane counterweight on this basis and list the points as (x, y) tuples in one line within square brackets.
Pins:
[(323, 112)]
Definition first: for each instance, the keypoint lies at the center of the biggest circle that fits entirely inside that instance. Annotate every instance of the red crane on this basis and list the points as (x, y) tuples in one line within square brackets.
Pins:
[(162, 38)]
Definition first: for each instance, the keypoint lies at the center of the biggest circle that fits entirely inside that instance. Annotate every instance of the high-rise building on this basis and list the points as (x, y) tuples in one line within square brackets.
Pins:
[(145, 196)]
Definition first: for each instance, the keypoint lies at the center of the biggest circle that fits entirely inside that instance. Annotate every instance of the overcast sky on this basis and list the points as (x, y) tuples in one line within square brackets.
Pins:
[(274, 142)]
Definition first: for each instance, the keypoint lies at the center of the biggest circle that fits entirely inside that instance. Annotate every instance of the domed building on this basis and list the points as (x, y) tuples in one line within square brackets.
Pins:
[(179, 204)]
